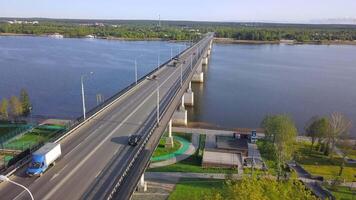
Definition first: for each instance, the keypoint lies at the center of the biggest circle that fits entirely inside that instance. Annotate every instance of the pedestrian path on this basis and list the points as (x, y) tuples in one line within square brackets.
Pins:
[(184, 152), (175, 175)]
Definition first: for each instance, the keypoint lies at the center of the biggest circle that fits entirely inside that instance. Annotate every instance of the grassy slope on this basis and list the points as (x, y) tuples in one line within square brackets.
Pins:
[(342, 193), (318, 164), (162, 150), (195, 189)]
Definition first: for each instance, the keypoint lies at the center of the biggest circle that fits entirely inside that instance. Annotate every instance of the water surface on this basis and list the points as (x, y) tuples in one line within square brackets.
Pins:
[(50, 69), (246, 82)]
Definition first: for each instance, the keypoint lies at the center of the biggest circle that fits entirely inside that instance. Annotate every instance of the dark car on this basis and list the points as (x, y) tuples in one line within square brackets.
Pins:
[(134, 139)]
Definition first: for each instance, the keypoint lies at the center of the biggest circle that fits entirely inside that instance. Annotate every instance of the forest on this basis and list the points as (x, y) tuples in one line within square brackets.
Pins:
[(182, 30)]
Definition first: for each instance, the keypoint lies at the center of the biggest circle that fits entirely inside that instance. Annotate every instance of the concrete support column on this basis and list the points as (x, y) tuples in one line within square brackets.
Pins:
[(142, 185), (180, 116), (170, 128), (198, 77), (205, 60), (189, 98), (169, 139), (182, 104)]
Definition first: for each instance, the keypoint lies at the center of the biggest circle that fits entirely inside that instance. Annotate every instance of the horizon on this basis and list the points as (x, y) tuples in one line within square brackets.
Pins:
[(318, 11), (336, 21)]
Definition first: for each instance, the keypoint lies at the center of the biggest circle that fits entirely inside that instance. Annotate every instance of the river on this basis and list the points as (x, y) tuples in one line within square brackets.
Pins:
[(246, 82), (243, 82), (50, 69)]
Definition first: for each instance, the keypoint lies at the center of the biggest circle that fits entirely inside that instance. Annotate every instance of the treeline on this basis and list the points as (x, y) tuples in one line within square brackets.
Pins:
[(120, 31), (174, 30), (275, 34), (15, 107)]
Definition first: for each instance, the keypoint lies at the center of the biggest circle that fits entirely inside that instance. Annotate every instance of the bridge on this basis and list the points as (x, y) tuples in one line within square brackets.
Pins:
[(96, 161)]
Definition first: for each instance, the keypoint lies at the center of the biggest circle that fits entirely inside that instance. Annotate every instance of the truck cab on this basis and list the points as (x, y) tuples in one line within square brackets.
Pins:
[(37, 166), (43, 158)]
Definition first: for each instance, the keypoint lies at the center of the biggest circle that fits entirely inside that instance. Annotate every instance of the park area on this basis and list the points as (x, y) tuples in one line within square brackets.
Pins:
[(16, 138), (318, 164)]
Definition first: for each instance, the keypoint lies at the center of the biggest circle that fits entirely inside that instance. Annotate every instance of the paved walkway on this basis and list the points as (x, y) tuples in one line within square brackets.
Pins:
[(190, 151), (177, 175), (207, 131)]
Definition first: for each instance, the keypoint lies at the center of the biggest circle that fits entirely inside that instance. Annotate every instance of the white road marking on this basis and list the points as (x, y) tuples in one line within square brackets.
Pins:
[(70, 174), (54, 176)]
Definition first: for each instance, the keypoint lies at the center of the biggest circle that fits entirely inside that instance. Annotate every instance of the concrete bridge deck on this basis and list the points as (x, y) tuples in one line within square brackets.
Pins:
[(95, 155)]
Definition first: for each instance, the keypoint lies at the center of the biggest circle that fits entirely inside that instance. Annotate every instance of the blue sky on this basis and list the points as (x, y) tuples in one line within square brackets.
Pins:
[(205, 10)]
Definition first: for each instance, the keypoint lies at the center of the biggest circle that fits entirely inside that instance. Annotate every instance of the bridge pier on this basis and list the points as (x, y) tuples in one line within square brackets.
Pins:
[(189, 96), (180, 116), (142, 184), (198, 76), (205, 60), (169, 139)]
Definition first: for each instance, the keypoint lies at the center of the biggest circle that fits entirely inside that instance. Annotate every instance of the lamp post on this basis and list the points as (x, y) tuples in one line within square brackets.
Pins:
[(171, 52), (136, 73), (83, 95), (181, 75), (157, 106), (6, 179)]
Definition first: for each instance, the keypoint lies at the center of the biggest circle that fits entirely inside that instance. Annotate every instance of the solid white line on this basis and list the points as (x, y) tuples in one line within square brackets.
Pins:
[(70, 174)]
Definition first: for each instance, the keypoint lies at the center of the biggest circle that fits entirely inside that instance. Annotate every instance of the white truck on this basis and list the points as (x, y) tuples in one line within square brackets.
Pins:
[(43, 158)]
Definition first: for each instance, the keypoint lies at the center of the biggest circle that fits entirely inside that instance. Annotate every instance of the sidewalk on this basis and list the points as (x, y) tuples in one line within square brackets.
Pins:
[(175, 175)]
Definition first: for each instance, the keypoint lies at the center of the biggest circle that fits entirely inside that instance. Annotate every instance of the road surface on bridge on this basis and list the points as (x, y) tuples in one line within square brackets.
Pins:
[(87, 151)]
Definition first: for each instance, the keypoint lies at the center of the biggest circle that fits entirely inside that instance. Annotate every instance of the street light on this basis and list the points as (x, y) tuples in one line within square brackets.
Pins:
[(83, 97), (171, 52), (6, 179), (154, 78), (181, 75), (136, 67)]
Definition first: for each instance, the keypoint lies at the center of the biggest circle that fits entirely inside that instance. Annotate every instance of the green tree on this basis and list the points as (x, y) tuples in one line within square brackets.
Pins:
[(15, 107), (263, 189), (25, 101), (317, 129), (282, 131), (4, 109)]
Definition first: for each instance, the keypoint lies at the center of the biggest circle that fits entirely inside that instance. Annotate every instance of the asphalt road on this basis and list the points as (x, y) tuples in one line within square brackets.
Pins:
[(103, 140)]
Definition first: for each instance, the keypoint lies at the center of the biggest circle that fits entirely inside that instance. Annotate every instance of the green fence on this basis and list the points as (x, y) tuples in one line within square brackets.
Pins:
[(17, 131)]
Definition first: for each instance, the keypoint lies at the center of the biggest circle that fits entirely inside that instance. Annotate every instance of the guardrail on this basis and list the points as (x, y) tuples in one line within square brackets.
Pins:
[(151, 122)]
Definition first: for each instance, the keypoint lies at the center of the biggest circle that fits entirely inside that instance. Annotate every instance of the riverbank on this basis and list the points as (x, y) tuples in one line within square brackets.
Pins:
[(103, 38), (291, 42)]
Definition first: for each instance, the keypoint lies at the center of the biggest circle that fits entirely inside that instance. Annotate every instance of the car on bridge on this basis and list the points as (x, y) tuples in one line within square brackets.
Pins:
[(134, 140)]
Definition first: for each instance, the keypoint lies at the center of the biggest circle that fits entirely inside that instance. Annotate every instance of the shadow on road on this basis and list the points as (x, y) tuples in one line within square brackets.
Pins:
[(120, 140)]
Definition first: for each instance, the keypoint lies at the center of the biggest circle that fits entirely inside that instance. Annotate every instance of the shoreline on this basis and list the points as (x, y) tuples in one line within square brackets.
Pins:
[(101, 38), (289, 42), (216, 40)]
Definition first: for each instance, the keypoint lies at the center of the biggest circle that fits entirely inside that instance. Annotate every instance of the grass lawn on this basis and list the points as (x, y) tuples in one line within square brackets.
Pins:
[(162, 150), (30, 139), (195, 189), (342, 193), (318, 164)]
